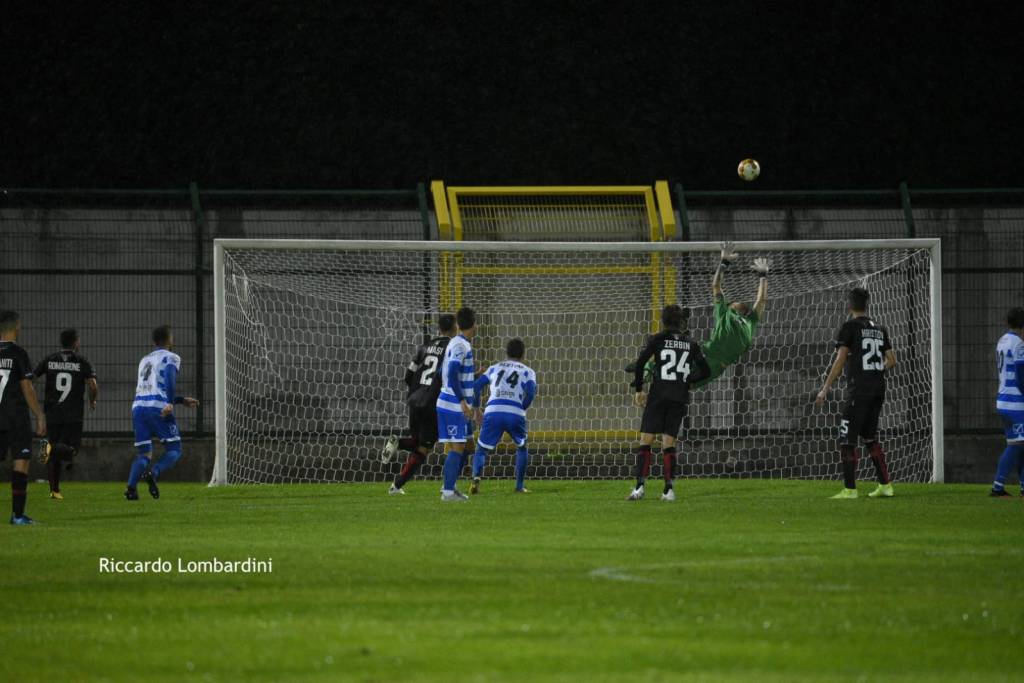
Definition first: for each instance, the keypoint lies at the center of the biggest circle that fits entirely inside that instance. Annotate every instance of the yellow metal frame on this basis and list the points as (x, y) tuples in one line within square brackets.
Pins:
[(660, 218)]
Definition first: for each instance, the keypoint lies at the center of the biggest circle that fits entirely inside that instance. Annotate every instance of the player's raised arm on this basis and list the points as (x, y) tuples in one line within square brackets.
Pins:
[(761, 266), (728, 256)]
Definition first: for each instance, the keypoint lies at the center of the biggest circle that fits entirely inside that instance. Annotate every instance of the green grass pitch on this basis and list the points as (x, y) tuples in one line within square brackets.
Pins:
[(738, 580)]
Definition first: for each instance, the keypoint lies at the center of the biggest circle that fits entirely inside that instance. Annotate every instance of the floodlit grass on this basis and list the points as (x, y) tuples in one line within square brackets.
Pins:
[(738, 580)]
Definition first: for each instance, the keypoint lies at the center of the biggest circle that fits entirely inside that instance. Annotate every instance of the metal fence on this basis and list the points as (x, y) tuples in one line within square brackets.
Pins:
[(116, 263)]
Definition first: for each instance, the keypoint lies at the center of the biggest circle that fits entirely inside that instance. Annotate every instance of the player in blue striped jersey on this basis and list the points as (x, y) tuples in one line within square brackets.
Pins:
[(454, 403), (513, 386), (153, 413), (1010, 400)]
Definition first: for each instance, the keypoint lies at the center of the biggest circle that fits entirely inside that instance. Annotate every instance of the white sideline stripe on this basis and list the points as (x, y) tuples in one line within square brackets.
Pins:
[(621, 573), (617, 574)]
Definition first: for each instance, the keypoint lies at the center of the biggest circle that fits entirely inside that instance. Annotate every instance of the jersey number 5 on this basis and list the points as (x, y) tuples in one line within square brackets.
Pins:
[(673, 365), (871, 358)]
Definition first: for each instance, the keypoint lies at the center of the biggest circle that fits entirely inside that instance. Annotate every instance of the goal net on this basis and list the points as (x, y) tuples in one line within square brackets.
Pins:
[(313, 338)]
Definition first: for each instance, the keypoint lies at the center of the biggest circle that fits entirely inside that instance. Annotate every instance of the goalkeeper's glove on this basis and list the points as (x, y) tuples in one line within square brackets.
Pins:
[(761, 266)]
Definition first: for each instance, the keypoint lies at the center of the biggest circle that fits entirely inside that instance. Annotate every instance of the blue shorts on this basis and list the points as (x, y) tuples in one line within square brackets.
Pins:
[(150, 425), (1014, 423), (453, 427), (497, 424)]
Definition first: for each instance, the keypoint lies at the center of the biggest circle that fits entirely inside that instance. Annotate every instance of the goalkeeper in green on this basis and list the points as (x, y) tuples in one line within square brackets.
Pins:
[(735, 322)]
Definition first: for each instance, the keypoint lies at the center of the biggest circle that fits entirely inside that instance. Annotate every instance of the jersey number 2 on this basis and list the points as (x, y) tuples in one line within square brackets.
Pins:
[(672, 364), (871, 358), (429, 368)]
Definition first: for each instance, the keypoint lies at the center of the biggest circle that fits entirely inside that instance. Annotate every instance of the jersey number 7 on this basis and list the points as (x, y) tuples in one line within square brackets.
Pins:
[(673, 365)]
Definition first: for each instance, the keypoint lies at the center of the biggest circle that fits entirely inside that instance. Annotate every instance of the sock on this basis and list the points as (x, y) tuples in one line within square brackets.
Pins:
[(668, 457), (19, 492), (1006, 462), (139, 466), (412, 465), (452, 467), (643, 464), (463, 460), (878, 457), (1020, 468), (522, 460), (479, 460), (849, 454), (407, 443), (170, 458), (58, 456), (53, 471)]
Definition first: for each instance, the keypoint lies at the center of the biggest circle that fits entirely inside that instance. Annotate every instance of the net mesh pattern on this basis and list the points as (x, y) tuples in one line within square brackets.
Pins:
[(317, 342)]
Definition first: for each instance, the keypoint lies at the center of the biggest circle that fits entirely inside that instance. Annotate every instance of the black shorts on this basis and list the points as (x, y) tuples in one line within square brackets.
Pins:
[(69, 434), (18, 441), (662, 416), (860, 419), (423, 425)]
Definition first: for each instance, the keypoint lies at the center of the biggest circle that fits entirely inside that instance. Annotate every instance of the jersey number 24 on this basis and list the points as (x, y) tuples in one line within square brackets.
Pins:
[(673, 365)]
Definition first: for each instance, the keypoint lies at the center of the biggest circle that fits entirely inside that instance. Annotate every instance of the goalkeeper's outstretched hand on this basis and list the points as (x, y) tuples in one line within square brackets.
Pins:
[(761, 266), (728, 253)]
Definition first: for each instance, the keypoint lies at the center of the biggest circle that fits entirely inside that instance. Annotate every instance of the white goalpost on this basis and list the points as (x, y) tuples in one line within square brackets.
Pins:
[(313, 338)]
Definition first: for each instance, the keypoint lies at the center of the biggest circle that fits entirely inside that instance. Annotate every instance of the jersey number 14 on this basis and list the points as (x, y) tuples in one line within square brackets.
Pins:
[(673, 365)]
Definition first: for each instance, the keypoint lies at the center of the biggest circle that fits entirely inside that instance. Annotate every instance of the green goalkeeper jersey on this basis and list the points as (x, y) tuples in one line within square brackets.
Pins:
[(731, 337)]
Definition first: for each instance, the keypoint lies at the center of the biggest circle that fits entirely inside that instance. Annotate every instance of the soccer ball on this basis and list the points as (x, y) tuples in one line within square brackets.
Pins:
[(749, 169)]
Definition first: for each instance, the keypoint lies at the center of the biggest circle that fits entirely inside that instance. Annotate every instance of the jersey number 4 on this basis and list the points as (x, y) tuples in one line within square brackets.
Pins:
[(871, 358), (673, 365)]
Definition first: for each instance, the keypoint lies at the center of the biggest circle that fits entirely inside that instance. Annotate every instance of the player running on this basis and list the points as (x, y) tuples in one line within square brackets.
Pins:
[(513, 386), (1010, 401), (17, 398), (867, 347), (454, 409), (424, 383), (67, 374), (678, 362), (153, 413)]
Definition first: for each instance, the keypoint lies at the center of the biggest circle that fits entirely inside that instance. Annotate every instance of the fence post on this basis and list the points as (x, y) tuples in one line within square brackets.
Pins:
[(684, 218), (421, 195), (908, 213), (199, 221)]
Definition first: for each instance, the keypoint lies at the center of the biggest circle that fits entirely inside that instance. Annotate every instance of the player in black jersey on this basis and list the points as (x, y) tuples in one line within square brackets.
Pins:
[(17, 398), (863, 347), (423, 379), (678, 363), (68, 374)]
